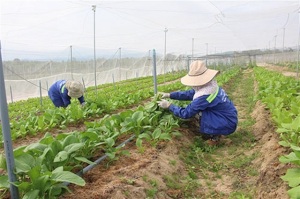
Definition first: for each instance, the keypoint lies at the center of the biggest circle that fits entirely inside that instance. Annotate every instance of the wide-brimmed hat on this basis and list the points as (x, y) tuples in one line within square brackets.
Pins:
[(75, 89), (199, 74)]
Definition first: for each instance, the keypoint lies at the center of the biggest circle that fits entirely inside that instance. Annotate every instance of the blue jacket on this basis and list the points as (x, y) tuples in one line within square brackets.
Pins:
[(219, 116), (58, 93)]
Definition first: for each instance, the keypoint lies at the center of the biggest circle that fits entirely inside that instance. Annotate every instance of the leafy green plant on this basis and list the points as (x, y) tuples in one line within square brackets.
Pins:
[(281, 96)]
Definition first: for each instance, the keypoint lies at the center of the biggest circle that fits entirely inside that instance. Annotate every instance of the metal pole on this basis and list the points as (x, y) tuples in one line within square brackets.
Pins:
[(94, 9), (274, 47), (41, 97), (165, 53), (298, 48), (120, 58), (11, 94), (206, 53), (10, 161), (71, 60), (50, 66), (192, 48), (188, 64), (83, 83), (283, 39), (154, 72)]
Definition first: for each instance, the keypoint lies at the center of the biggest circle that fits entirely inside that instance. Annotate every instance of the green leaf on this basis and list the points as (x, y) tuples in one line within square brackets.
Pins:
[(295, 148), (56, 147), (35, 172), (139, 142), (165, 136), (61, 156), (42, 183), (24, 163), (41, 123), (4, 183), (151, 107), (292, 176), (47, 139), (111, 155), (73, 147), (67, 176), (70, 139), (292, 157), (36, 147), (176, 133), (137, 116), (110, 142), (156, 133), (294, 193), (2, 162), (90, 135), (282, 130), (154, 120), (24, 186), (284, 143), (33, 194), (83, 159), (145, 135)]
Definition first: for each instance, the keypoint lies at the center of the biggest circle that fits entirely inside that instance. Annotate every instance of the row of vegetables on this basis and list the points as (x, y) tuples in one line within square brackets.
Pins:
[(43, 168), (28, 117), (281, 95)]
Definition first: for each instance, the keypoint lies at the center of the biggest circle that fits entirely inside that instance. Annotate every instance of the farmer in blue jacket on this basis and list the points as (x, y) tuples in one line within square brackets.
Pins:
[(62, 91), (218, 115)]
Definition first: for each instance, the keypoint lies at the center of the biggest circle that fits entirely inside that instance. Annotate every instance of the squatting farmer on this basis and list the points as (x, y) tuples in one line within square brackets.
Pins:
[(218, 115)]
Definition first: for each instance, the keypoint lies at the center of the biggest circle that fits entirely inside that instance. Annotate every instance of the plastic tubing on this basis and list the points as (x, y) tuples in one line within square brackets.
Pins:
[(89, 167)]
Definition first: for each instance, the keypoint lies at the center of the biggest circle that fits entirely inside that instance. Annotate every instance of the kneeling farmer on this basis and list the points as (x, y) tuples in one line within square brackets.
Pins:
[(218, 115)]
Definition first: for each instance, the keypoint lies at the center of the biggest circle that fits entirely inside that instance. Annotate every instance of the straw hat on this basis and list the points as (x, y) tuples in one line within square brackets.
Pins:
[(198, 74), (75, 89)]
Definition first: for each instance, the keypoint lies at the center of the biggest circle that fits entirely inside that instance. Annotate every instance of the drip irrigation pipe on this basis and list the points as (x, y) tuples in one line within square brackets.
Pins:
[(89, 167)]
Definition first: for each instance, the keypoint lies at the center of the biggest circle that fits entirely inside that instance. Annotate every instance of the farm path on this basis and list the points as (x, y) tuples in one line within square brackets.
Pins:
[(244, 165), (286, 71)]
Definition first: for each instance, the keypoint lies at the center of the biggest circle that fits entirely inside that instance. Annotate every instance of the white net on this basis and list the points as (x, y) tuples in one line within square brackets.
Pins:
[(221, 32), (32, 79)]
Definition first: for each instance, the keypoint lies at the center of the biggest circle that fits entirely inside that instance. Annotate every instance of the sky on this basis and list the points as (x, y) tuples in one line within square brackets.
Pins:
[(44, 29)]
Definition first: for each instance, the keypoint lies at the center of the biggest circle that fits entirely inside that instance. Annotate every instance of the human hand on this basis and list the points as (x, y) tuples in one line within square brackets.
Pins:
[(165, 95), (83, 104), (164, 104)]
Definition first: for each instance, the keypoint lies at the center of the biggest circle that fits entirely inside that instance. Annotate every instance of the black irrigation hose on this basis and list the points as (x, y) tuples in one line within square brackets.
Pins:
[(89, 167)]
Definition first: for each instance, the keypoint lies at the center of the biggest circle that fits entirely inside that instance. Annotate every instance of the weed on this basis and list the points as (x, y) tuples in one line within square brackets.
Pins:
[(131, 181), (239, 195), (243, 160), (145, 178), (126, 193), (173, 181), (172, 162), (151, 192), (153, 183)]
